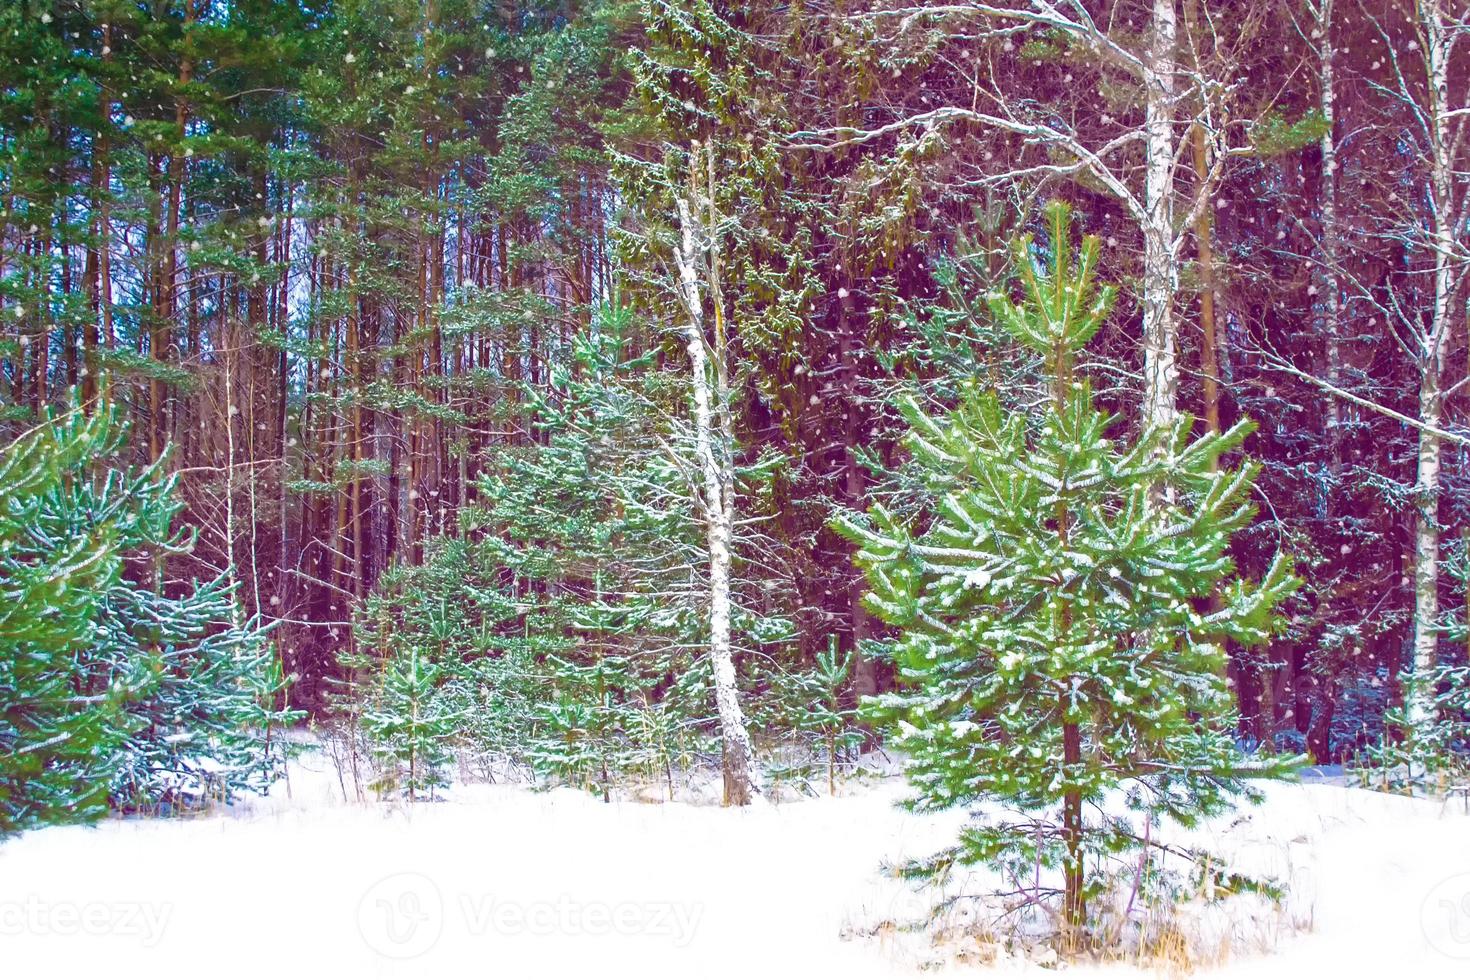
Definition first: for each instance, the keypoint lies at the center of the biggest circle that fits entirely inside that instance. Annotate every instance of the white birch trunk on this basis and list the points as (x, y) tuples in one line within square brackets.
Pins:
[(741, 777), (1331, 290), (1432, 356), (1426, 553), (1160, 265)]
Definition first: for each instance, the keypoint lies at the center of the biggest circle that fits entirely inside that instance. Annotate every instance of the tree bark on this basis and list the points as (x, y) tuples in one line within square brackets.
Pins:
[(166, 299), (1331, 230), (1445, 230), (714, 452), (1160, 271)]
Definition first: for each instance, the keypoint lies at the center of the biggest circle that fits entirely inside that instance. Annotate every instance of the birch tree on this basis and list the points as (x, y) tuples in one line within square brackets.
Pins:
[(1437, 103), (696, 257), (1137, 160), (1422, 89), (1321, 14)]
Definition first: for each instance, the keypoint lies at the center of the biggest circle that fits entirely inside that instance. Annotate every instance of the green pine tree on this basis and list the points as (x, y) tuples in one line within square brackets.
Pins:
[(64, 718), (202, 728), (825, 711), (412, 720), (585, 734), (114, 693), (1055, 639)]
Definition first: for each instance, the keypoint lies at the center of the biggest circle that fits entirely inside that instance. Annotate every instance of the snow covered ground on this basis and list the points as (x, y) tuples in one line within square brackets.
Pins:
[(504, 882)]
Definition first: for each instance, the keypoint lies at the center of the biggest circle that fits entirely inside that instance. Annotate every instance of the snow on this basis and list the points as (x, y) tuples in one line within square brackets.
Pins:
[(502, 881)]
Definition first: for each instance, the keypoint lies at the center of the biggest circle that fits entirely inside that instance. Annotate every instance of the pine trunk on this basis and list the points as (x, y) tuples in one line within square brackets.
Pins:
[(1074, 907)]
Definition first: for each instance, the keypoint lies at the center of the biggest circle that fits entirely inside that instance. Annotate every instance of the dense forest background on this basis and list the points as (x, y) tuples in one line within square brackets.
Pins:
[(340, 260)]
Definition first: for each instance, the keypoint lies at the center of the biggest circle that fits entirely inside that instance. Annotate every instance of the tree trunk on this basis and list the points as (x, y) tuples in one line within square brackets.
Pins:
[(1426, 545), (1074, 901), (711, 417), (99, 328), (1160, 270), (1331, 232), (1204, 230), (167, 297), (865, 677), (1431, 367), (1074, 907)]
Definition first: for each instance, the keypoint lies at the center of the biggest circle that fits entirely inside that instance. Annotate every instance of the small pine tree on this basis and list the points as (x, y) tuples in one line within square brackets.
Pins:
[(661, 741), (1056, 644), (412, 720), (1435, 753), (823, 710), (199, 732), (584, 733), (111, 692)]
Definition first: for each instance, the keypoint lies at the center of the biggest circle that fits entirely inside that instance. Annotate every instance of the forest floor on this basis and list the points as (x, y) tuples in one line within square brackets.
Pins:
[(500, 881)]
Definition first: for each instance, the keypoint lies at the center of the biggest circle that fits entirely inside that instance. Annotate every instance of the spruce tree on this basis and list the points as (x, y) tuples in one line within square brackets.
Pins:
[(1056, 641)]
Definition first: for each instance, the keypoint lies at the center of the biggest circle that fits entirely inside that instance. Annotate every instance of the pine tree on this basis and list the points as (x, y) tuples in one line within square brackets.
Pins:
[(114, 692), (1054, 641), (411, 721), (201, 731), (64, 716), (585, 733), (558, 599), (823, 711)]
